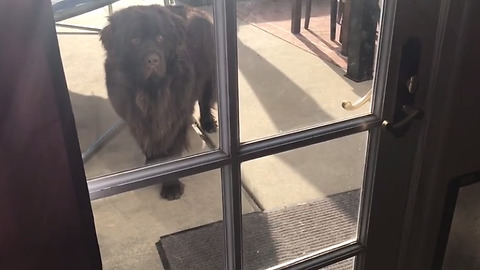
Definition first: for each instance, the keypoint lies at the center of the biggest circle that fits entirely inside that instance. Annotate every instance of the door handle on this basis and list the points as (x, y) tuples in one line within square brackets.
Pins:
[(412, 113), (405, 110)]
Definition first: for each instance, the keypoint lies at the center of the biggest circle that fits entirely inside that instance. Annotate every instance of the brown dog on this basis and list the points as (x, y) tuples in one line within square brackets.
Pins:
[(160, 61)]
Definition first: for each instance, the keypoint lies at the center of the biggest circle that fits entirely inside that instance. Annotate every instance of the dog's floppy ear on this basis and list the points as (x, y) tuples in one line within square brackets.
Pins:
[(179, 27), (106, 37)]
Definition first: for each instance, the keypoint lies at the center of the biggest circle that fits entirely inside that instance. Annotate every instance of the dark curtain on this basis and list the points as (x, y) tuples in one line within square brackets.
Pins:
[(46, 220)]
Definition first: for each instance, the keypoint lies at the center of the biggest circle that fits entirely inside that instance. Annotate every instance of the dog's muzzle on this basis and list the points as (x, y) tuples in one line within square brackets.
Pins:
[(154, 65)]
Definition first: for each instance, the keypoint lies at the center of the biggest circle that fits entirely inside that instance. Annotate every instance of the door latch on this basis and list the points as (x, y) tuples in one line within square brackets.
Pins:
[(405, 111)]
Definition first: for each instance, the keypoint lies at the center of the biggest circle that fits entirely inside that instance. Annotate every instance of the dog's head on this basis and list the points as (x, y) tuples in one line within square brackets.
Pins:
[(144, 39)]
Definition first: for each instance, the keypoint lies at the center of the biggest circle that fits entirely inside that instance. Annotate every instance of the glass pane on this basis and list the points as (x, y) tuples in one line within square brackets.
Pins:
[(308, 200), (139, 230), (150, 90), (289, 81), (463, 249)]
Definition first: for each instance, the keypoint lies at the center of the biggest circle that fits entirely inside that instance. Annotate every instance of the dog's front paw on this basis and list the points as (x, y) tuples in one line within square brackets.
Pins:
[(172, 190), (208, 125)]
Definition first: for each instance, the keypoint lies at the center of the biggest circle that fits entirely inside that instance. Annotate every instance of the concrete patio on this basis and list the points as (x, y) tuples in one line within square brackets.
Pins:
[(282, 86)]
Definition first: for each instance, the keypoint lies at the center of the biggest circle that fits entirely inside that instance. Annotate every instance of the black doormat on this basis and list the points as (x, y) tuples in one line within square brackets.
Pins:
[(269, 238)]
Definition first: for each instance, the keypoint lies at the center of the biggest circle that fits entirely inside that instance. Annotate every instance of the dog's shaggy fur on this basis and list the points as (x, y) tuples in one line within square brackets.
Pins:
[(160, 61)]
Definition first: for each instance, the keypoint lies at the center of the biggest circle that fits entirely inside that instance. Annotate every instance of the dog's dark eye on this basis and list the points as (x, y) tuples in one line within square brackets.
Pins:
[(159, 39), (135, 41)]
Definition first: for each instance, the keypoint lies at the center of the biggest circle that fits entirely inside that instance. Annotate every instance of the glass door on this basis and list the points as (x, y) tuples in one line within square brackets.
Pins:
[(310, 166)]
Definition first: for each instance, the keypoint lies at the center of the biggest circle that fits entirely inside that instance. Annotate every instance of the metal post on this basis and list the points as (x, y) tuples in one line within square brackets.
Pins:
[(296, 16), (333, 19), (361, 39)]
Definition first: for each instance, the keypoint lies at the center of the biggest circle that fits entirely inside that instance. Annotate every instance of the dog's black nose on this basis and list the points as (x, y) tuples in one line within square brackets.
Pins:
[(152, 59)]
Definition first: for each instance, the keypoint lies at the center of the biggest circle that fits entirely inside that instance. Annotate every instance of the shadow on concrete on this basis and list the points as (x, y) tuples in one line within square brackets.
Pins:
[(332, 167), (359, 89), (93, 117)]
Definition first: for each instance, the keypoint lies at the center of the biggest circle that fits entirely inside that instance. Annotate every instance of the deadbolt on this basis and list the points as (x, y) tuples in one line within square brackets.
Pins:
[(412, 84)]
